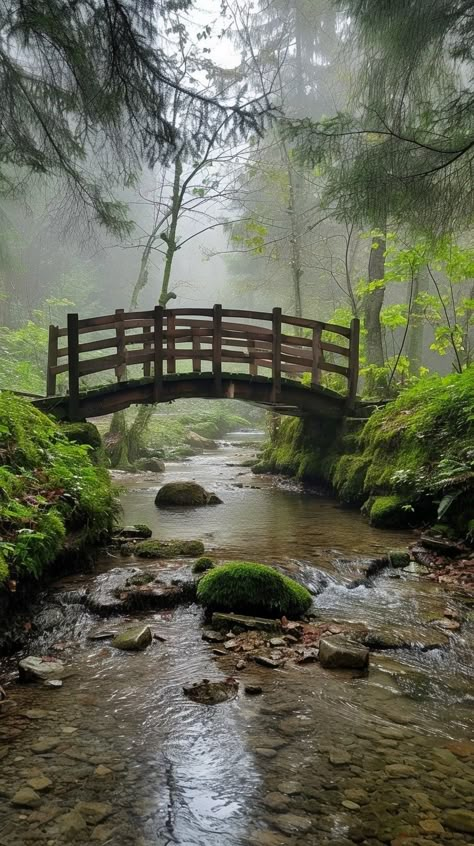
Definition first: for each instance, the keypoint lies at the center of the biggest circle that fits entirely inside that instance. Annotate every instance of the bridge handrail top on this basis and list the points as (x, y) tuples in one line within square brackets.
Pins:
[(110, 321)]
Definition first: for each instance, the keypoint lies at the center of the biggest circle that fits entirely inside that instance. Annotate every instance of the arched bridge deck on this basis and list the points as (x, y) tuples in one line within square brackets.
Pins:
[(165, 354)]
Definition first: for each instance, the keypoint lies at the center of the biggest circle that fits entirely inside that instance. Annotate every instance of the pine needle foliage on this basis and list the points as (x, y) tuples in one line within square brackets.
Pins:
[(101, 83), (405, 147)]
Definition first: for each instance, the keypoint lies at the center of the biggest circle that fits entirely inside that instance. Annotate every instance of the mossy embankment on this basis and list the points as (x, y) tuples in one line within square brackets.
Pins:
[(412, 462), (54, 487)]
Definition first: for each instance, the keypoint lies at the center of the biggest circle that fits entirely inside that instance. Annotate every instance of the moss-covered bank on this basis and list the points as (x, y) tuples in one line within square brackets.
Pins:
[(52, 485), (413, 461)]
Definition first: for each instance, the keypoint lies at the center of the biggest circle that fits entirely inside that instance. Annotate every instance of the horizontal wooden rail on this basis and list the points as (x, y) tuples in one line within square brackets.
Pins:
[(161, 339)]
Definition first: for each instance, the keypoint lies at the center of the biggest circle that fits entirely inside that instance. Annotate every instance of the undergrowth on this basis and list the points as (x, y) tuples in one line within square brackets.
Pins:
[(49, 486)]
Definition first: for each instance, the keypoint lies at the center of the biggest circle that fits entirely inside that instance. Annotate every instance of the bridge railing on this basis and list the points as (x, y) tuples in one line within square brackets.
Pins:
[(209, 339)]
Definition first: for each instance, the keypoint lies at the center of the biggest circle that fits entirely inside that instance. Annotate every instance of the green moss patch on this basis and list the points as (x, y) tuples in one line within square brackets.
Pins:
[(169, 549), (49, 486), (246, 587), (202, 564)]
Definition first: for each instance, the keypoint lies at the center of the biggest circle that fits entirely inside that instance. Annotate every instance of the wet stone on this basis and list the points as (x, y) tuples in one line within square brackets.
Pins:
[(26, 797), (94, 812), (339, 757), (40, 783), (71, 825), (276, 801), (291, 788), (337, 652), (400, 771), (293, 824), (133, 639), (460, 819), (45, 744)]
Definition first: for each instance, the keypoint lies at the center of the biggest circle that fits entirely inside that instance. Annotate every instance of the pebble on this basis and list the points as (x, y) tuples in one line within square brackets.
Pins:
[(40, 783), (351, 806), (293, 824), (432, 826), (26, 797), (253, 689), (71, 824), (339, 757), (46, 744), (399, 771), (94, 812)]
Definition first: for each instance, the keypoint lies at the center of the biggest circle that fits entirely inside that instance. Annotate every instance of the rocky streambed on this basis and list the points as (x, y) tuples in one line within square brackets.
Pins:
[(127, 751)]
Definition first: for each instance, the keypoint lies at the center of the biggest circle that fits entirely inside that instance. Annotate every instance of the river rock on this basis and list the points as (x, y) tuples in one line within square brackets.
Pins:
[(293, 824), (398, 558), (26, 797), (213, 637), (406, 638), (129, 589), (270, 663), (33, 669), (40, 783), (45, 744), (152, 465), (71, 825), (184, 494), (339, 757), (133, 639), (94, 812), (229, 621), (253, 689), (199, 442), (460, 819), (212, 693), (337, 652)]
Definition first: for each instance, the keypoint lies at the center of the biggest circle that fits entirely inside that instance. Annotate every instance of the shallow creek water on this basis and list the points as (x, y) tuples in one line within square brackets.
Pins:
[(321, 757)]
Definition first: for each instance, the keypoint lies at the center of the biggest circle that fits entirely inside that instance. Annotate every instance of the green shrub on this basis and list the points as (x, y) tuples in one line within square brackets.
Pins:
[(82, 433), (168, 549), (203, 564), (246, 587), (48, 486)]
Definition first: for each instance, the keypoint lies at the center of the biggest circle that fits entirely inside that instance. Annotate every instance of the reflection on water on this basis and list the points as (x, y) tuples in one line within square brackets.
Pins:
[(319, 758)]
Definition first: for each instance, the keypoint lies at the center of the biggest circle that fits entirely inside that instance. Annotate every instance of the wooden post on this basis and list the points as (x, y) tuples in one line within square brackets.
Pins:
[(253, 367), (353, 377), (276, 353), (147, 348), (196, 357), (158, 352), (217, 348), (52, 361), (121, 368), (170, 342), (315, 371), (73, 365)]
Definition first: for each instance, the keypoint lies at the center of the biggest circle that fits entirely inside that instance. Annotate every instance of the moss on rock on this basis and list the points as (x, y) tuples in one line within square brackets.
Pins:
[(49, 486), (82, 433), (202, 564), (184, 493), (168, 549), (250, 588), (387, 511)]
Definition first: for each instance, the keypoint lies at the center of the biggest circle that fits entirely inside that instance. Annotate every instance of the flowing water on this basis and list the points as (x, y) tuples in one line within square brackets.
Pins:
[(321, 757)]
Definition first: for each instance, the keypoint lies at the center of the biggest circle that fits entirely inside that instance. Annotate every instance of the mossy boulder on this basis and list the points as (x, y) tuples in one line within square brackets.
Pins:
[(199, 442), (185, 494), (202, 564), (247, 587), (388, 511), (169, 548), (150, 464)]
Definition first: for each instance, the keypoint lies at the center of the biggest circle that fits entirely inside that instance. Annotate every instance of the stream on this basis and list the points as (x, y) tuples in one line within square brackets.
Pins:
[(118, 755)]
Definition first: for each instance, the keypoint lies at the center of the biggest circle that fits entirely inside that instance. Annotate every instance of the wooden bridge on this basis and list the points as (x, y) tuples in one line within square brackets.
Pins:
[(214, 352)]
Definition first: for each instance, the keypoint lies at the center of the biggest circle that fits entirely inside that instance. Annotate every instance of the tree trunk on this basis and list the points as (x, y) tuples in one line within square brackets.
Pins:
[(171, 245), (376, 382), (417, 325)]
